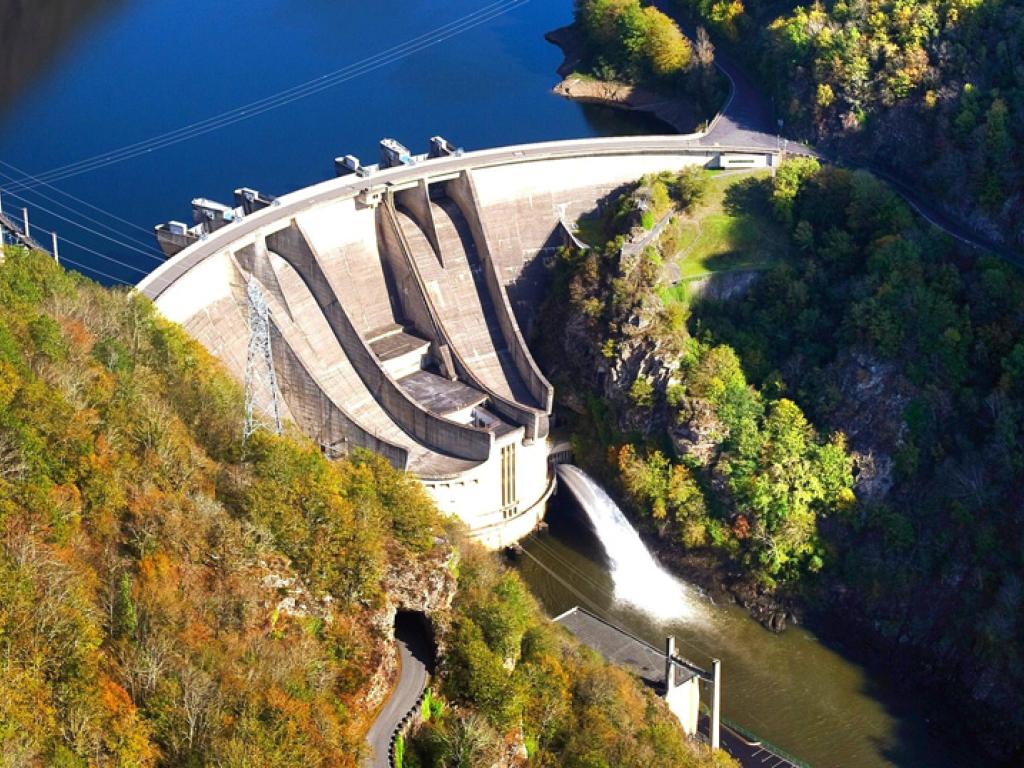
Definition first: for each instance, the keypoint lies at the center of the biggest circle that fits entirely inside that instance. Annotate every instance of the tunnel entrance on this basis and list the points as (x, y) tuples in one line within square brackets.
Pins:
[(414, 630)]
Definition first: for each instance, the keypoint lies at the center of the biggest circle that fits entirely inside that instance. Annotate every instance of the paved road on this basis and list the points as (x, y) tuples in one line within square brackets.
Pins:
[(416, 658), (748, 118)]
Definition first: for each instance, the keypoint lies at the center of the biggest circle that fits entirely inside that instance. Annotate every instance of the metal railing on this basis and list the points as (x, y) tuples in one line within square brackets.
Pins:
[(754, 740)]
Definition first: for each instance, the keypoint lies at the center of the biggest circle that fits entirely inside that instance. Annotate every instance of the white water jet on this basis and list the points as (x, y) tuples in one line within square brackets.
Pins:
[(638, 578)]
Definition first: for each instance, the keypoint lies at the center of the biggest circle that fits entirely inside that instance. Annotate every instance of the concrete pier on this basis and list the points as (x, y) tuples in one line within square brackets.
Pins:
[(674, 678)]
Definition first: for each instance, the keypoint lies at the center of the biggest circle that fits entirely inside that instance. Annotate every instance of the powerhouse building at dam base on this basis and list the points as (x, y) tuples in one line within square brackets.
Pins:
[(398, 298)]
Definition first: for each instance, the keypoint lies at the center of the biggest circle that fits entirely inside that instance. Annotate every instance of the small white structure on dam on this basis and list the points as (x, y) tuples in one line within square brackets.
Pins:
[(398, 301)]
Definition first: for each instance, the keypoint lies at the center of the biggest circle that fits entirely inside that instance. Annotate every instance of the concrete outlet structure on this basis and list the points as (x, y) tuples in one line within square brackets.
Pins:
[(399, 299), (673, 677)]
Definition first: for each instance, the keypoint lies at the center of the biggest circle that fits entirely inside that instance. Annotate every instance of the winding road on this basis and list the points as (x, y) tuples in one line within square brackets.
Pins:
[(415, 659), (748, 119)]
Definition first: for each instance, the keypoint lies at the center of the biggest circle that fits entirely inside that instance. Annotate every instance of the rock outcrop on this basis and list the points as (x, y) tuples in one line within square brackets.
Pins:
[(698, 433), (427, 586), (871, 414)]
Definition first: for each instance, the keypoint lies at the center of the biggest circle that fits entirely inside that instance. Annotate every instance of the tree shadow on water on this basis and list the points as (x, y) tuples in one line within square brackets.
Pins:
[(920, 732)]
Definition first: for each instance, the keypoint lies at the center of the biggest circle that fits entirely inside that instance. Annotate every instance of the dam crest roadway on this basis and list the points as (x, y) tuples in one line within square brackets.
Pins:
[(400, 296)]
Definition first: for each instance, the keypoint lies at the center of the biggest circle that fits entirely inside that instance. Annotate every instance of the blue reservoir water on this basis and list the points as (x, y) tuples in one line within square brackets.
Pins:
[(121, 72)]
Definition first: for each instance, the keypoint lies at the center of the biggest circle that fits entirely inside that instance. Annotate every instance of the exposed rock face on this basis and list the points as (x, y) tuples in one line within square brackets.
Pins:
[(638, 352), (699, 432), (385, 672), (635, 358), (514, 752), (873, 473), (289, 596), (427, 586), (871, 413)]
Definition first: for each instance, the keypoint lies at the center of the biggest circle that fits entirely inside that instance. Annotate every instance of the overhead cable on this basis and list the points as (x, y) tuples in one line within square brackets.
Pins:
[(70, 196), (280, 99)]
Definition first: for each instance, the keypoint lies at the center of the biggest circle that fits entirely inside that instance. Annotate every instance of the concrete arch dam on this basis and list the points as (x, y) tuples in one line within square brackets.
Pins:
[(399, 298)]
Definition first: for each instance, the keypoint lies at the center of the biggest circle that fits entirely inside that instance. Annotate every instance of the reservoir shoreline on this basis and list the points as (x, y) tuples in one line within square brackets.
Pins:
[(672, 111)]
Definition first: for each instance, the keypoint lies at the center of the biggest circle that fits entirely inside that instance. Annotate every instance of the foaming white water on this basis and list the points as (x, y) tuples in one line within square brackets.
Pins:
[(638, 578)]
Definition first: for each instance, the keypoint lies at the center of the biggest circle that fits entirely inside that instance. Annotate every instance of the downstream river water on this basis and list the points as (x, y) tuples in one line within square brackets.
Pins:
[(790, 688), (83, 77)]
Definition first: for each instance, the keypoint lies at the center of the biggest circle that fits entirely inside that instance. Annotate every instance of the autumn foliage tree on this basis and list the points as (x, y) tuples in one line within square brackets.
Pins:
[(634, 42), (170, 599), (136, 616)]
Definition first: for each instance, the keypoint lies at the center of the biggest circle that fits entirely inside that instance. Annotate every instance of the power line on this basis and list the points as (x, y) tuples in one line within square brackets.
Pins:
[(116, 240), (395, 53), (79, 200), (596, 608), (111, 259), (282, 98), (95, 271), (86, 248), (88, 229), (80, 266), (550, 552)]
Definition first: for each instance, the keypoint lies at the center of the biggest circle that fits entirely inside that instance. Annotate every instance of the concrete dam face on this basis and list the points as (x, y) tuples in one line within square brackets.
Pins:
[(398, 300)]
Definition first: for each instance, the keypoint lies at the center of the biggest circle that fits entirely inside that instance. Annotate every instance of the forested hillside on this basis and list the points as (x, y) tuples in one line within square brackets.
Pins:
[(930, 90), (844, 426), (631, 42), (171, 597), (878, 327)]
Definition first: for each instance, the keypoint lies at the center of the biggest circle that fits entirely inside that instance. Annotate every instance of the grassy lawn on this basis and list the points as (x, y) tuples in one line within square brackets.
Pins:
[(731, 230), (723, 234)]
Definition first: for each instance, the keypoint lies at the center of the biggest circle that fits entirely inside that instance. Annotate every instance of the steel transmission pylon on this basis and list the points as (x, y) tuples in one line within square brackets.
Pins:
[(260, 378)]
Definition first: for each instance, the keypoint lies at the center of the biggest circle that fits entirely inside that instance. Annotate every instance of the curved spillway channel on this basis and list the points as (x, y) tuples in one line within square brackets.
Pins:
[(638, 578)]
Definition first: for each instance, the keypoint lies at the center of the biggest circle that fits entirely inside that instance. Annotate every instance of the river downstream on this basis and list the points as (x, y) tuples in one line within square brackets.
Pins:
[(790, 689)]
